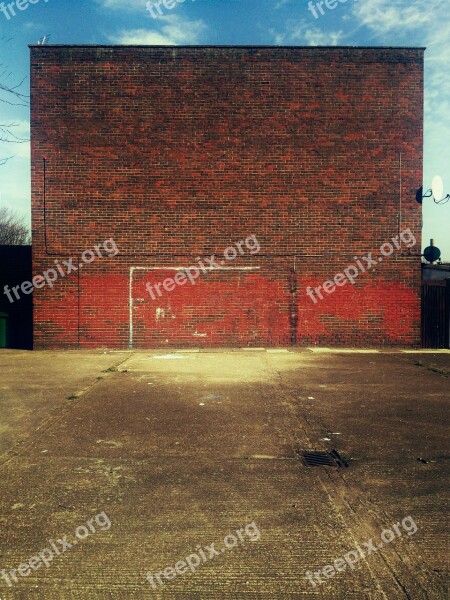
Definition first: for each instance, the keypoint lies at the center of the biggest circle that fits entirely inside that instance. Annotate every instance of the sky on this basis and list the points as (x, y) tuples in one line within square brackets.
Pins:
[(417, 23)]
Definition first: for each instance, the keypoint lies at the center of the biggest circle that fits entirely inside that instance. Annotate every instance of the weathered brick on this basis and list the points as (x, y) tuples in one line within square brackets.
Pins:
[(178, 153)]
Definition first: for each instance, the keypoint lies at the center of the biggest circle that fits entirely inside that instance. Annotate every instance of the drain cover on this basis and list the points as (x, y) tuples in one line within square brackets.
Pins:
[(313, 458)]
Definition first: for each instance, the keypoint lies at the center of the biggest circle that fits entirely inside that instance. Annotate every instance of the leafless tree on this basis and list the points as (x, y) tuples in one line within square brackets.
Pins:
[(13, 231), (10, 94)]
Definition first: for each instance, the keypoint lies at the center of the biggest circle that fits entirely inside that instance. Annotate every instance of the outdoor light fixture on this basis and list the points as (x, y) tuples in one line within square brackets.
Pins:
[(436, 192)]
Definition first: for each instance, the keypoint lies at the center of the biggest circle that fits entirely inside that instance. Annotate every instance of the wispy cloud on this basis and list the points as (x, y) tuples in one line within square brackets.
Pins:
[(172, 30), (384, 17), (302, 33), (315, 37), (281, 4), (128, 5)]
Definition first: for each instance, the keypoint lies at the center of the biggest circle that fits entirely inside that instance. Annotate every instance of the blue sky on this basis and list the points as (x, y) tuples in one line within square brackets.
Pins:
[(281, 22)]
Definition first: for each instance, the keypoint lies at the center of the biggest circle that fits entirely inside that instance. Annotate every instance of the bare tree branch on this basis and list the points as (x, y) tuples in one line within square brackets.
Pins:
[(13, 231), (10, 94), (3, 161), (6, 133)]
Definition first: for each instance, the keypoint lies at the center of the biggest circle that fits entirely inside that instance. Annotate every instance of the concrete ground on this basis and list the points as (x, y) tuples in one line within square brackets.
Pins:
[(143, 459)]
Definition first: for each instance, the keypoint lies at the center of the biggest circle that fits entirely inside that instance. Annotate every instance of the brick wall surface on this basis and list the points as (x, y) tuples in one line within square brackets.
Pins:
[(178, 153)]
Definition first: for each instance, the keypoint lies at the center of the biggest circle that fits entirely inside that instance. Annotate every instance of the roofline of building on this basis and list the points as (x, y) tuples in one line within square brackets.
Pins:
[(248, 46), (443, 265)]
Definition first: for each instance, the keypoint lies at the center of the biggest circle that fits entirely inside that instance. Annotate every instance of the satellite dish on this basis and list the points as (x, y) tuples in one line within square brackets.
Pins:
[(437, 187), (432, 254)]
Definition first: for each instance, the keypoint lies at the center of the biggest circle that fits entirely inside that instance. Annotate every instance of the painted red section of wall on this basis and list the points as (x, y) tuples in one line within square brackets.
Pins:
[(56, 308), (385, 313), (220, 309), (179, 153), (104, 312)]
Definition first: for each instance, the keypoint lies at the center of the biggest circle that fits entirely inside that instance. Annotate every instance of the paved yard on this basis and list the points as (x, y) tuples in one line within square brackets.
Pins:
[(120, 469)]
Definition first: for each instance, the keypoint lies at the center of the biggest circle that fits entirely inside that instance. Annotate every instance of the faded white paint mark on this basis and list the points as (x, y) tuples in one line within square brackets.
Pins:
[(160, 314), (165, 268)]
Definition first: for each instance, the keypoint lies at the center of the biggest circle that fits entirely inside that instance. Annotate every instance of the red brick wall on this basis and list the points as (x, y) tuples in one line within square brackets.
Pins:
[(178, 153)]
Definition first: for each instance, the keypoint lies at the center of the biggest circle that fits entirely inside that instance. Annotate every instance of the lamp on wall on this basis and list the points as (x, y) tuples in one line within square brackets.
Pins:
[(436, 192)]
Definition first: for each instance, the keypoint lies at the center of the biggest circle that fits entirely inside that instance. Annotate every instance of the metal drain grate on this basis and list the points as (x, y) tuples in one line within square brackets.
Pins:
[(315, 458)]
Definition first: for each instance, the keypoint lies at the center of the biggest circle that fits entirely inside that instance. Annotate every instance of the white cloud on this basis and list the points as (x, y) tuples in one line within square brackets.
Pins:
[(173, 31), (129, 5), (384, 17), (301, 33), (30, 25), (281, 3), (315, 37)]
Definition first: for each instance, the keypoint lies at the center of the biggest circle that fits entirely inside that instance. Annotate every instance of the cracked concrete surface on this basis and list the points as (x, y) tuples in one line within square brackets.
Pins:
[(180, 449)]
